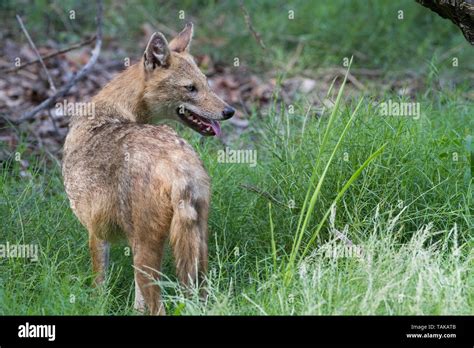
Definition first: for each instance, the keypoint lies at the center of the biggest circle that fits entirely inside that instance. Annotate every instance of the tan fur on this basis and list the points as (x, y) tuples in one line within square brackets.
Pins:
[(129, 179)]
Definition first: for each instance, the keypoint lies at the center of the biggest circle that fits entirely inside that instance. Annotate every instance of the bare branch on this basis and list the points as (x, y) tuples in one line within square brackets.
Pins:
[(49, 56), (83, 72), (342, 72), (255, 34), (33, 46)]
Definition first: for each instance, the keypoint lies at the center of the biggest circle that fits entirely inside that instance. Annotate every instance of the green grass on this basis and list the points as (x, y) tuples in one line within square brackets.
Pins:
[(409, 214)]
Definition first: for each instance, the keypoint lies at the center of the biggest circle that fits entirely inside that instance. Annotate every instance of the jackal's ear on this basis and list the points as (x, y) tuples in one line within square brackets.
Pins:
[(182, 42), (157, 52)]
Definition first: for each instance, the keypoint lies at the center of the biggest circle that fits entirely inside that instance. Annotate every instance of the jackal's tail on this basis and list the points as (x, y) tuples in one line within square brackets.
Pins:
[(188, 237)]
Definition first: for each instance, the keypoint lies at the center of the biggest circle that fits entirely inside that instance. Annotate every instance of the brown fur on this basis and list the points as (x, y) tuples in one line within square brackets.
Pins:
[(126, 178)]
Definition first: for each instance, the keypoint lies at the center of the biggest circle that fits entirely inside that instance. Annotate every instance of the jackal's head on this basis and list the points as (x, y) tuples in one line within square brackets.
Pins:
[(176, 88)]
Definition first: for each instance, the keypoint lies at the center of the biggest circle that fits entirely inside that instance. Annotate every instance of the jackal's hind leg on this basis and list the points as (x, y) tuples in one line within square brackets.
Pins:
[(203, 249), (147, 263), (99, 250), (139, 304)]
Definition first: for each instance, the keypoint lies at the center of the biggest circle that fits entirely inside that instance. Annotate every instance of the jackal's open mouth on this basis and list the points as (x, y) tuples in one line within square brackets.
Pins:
[(200, 124)]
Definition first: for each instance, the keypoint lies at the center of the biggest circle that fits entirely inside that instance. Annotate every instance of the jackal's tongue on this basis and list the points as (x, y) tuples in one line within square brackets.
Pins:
[(216, 127)]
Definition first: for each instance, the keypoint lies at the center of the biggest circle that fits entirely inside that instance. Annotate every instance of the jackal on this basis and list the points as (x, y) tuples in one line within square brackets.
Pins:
[(127, 178)]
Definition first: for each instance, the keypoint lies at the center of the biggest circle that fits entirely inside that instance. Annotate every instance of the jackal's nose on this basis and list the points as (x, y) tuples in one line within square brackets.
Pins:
[(228, 112)]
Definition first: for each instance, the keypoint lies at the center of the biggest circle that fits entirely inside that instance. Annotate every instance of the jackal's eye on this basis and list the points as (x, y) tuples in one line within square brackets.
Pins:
[(191, 88)]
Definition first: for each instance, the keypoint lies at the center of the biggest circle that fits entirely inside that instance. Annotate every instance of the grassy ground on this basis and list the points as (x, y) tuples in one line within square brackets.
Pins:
[(407, 214)]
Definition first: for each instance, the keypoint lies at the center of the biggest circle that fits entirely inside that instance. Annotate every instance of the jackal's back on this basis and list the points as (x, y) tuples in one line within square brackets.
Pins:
[(122, 175)]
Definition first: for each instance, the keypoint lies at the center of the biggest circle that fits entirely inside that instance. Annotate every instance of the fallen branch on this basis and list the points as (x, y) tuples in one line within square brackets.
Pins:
[(33, 46), (83, 72), (342, 72), (255, 34), (49, 56)]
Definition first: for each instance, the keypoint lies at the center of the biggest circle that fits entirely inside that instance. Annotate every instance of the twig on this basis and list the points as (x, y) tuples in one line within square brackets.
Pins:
[(255, 34), (33, 46), (341, 71), (85, 69), (356, 82), (51, 55), (262, 193)]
